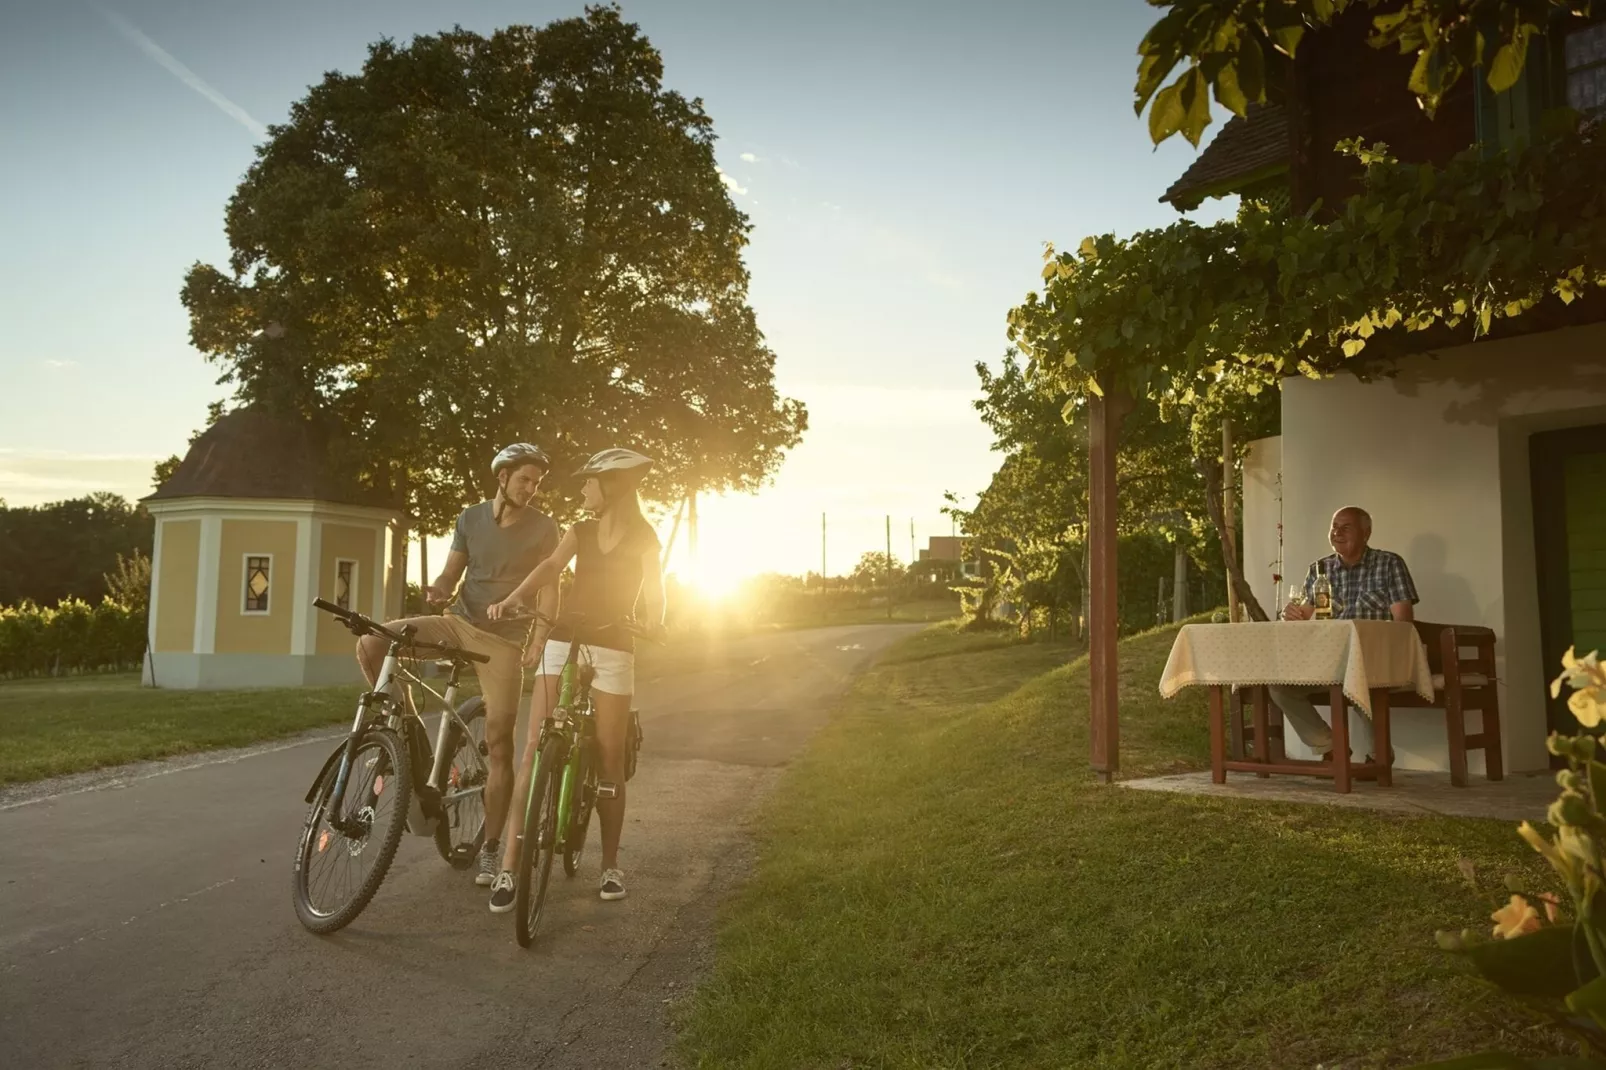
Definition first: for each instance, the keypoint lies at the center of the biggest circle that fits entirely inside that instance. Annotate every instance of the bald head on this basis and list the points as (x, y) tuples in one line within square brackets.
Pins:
[(1351, 533)]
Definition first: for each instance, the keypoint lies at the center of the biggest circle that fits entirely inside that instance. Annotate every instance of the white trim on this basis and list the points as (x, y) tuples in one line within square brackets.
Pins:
[(207, 567), (351, 588), (315, 553), (377, 602), (255, 507), (245, 574), (306, 589), (153, 621)]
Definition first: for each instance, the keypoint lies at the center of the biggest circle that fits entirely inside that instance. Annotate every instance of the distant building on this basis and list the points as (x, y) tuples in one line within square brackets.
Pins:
[(949, 548), (251, 527)]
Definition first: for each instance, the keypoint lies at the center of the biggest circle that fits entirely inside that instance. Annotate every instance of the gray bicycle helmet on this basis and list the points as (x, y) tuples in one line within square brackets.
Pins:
[(520, 453)]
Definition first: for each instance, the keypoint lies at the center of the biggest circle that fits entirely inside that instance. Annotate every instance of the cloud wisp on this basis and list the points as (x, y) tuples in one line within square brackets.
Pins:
[(171, 64)]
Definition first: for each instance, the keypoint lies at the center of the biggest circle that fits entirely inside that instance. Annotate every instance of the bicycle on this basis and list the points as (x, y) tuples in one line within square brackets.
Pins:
[(366, 794), (564, 788)]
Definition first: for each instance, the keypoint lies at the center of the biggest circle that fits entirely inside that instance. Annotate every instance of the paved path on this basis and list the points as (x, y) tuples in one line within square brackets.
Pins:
[(145, 918)]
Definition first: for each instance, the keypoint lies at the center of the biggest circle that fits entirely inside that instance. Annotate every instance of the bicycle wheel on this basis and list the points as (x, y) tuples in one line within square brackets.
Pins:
[(461, 829), (540, 840), (338, 870), (574, 844)]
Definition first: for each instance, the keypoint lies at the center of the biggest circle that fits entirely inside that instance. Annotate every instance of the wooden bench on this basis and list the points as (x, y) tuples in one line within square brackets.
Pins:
[(1461, 685)]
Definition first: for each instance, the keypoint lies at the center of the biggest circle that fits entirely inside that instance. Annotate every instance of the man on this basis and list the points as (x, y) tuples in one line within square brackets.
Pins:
[(497, 544), (1367, 584)]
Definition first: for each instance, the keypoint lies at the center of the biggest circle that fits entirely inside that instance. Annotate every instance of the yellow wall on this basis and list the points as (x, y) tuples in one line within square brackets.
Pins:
[(237, 631), (175, 598), (356, 544)]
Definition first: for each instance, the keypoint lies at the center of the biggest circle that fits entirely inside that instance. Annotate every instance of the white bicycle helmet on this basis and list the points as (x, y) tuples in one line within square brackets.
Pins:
[(616, 460), (520, 453)]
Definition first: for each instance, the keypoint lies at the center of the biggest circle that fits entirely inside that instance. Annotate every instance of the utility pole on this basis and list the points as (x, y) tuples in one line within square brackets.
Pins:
[(822, 552), (889, 566), (423, 571), (912, 554)]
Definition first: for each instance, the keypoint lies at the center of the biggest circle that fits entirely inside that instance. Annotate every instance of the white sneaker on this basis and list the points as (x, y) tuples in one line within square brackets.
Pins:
[(613, 884), (502, 893)]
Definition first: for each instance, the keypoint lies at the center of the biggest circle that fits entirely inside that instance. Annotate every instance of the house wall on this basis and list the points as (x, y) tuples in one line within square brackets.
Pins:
[(1439, 456), (239, 632), (355, 543), (1262, 514), (180, 542)]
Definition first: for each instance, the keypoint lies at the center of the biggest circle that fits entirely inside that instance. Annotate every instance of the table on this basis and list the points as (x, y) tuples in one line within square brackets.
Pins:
[(1356, 660)]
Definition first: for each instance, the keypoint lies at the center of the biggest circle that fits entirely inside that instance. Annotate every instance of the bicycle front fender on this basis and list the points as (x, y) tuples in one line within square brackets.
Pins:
[(328, 764)]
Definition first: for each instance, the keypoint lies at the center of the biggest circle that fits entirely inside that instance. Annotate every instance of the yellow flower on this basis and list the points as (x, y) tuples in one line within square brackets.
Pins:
[(1539, 842), (1514, 919), (1585, 707)]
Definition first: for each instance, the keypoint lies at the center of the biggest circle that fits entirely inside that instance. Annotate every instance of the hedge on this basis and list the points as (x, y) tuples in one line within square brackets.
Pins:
[(71, 637)]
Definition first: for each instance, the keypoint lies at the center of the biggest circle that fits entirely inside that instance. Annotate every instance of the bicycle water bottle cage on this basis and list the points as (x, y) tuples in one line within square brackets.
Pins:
[(607, 789)]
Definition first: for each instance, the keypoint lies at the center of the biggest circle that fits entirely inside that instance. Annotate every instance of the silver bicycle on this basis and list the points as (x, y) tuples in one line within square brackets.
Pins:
[(386, 778)]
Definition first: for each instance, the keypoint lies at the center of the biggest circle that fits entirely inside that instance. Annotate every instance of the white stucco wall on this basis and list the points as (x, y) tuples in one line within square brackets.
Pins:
[(1262, 512), (1438, 456)]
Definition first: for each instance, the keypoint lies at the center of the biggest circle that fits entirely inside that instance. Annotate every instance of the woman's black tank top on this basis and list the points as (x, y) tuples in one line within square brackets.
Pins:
[(606, 585)]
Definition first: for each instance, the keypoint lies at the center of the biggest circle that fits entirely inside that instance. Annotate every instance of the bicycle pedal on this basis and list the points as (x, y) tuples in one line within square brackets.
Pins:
[(607, 789)]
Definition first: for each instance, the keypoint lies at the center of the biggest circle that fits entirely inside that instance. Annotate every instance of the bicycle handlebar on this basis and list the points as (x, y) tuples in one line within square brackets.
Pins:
[(361, 625)]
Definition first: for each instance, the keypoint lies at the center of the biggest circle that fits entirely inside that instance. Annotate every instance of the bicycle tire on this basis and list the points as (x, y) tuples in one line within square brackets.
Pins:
[(386, 840), (574, 844), (462, 854), (539, 843)]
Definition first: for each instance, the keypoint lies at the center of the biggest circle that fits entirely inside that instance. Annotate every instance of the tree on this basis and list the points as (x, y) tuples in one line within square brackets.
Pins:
[(875, 569), (1238, 49), (65, 549), (478, 240), (129, 584)]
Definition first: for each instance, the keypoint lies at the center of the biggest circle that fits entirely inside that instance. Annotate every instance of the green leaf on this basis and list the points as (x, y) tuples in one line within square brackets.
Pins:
[(1288, 38), (1507, 65), (1229, 94), (1166, 114), (1196, 106), (1422, 73), (1535, 964), (1354, 346), (1250, 69), (1591, 999), (1152, 69)]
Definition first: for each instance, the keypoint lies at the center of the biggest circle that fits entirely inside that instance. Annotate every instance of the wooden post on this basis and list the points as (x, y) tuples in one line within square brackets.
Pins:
[(1103, 429), (1229, 514), (674, 530)]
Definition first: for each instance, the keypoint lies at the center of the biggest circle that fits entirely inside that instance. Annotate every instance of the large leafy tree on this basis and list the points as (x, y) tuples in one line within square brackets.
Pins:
[(65, 549), (483, 239)]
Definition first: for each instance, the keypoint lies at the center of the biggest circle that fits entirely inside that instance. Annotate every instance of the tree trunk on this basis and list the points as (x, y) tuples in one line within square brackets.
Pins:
[(1235, 575)]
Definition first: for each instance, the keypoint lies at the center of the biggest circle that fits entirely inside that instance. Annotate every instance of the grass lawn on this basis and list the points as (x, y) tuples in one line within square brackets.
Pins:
[(51, 727), (941, 883)]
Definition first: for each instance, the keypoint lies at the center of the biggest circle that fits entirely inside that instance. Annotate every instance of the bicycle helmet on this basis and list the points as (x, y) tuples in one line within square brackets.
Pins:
[(518, 454), (616, 462)]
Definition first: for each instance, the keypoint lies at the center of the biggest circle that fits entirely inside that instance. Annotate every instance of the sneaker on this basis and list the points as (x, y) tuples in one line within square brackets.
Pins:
[(502, 893), (613, 884), (490, 864)]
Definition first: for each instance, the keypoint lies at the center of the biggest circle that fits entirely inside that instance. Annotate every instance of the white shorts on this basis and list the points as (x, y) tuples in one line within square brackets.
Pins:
[(616, 670)]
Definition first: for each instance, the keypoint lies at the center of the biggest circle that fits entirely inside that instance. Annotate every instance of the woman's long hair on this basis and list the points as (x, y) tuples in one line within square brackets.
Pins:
[(621, 500)]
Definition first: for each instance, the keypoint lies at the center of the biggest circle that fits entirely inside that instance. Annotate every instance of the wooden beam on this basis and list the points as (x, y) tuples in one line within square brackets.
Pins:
[(1104, 423), (1229, 515)]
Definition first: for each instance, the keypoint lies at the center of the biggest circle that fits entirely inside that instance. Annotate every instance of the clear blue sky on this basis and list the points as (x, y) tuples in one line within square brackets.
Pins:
[(902, 162)]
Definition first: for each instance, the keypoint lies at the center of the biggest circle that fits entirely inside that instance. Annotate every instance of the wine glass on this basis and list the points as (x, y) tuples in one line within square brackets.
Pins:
[(1296, 597)]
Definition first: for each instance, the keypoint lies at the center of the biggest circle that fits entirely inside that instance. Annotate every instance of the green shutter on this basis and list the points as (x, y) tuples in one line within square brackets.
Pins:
[(1586, 549)]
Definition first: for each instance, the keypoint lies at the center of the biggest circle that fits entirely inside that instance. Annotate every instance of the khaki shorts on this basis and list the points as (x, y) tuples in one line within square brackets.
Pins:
[(501, 678)]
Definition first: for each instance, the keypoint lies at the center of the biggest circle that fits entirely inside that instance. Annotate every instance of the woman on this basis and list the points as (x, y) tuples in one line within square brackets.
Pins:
[(618, 562)]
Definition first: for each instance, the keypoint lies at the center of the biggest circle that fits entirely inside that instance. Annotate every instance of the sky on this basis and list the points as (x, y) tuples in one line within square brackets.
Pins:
[(902, 163)]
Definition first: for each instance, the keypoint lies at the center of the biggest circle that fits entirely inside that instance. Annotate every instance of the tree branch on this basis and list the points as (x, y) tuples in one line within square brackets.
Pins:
[(1235, 575)]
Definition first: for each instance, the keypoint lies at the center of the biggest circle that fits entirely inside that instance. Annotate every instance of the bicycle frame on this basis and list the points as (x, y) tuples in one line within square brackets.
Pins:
[(573, 717), (390, 695)]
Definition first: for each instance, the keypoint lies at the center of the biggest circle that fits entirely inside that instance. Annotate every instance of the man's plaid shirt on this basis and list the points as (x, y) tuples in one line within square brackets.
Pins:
[(1366, 591)]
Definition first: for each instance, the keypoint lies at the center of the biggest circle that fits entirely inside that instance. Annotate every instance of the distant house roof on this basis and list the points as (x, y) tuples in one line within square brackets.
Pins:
[(1246, 150), (251, 453)]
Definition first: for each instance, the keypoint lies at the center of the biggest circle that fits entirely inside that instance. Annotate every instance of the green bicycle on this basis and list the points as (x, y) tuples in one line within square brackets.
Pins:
[(565, 788)]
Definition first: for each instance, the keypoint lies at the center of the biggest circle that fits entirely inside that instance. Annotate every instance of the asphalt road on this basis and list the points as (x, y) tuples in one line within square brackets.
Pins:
[(146, 920)]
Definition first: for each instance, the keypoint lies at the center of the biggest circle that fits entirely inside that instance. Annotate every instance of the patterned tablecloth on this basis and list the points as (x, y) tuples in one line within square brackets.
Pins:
[(1360, 654)]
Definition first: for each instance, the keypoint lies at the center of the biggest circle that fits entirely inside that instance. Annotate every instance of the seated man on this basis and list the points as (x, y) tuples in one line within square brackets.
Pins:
[(1367, 584)]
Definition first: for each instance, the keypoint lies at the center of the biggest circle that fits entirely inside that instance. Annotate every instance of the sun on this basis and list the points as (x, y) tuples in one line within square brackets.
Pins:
[(713, 582)]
